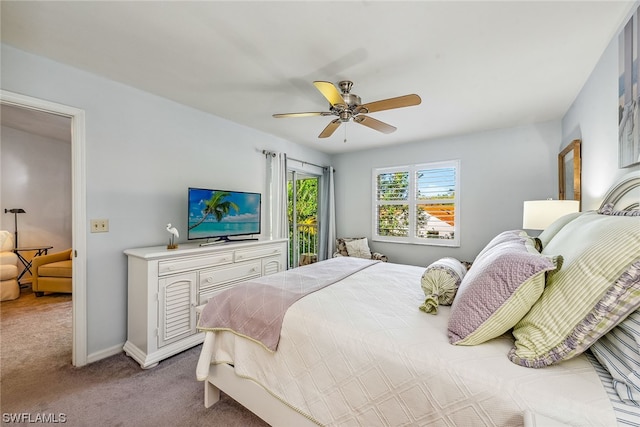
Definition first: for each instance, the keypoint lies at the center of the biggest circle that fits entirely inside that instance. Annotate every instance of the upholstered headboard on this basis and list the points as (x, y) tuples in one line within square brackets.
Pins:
[(625, 195)]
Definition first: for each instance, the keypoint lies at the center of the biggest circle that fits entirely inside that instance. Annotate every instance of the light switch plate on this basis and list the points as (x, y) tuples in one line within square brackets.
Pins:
[(99, 225)]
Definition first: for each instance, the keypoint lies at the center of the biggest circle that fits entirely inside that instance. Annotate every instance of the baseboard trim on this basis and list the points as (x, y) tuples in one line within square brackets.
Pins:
[(103, 354)]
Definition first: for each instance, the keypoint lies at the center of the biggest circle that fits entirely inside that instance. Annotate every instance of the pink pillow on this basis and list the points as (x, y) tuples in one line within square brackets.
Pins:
[(504, 282)]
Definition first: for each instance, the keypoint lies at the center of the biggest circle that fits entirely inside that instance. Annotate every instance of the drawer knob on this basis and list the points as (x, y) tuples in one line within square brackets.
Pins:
[(209, 279)]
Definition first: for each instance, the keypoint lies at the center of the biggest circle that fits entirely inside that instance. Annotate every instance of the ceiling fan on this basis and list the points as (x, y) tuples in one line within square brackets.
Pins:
[(347, 106)]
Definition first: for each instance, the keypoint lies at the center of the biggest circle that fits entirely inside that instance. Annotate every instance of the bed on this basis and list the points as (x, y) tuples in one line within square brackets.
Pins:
[(360, 351)]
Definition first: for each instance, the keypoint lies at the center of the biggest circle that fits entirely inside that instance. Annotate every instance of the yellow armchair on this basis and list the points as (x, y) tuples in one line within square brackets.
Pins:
[(52, 273)]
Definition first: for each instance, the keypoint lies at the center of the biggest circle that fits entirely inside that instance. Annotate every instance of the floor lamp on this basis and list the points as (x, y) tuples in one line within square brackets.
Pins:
[(15, 213)]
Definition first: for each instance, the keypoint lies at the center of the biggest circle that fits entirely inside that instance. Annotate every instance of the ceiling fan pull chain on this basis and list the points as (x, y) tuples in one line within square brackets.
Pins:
[(345, 132)]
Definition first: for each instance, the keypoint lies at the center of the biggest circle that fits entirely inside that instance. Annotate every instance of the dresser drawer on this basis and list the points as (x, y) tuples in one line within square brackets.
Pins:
[(194, 263), (247, 254), (234, 273), (205, 295)]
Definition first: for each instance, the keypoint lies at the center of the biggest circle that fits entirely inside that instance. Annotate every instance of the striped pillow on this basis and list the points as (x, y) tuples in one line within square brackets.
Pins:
[(619, 353), (608, 210), (587, 297)]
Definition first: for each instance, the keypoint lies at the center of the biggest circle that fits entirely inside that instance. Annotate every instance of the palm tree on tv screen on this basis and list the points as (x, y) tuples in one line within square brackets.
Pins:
[(217, 207)]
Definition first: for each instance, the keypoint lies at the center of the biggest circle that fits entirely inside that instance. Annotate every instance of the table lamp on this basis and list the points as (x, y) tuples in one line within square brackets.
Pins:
[(539, 214)]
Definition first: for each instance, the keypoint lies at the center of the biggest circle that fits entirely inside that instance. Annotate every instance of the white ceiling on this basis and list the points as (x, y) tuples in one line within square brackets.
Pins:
[(476, 65)]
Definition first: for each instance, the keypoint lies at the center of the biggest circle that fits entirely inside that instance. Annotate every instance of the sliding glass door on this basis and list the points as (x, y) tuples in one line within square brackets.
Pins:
[(302, 210)]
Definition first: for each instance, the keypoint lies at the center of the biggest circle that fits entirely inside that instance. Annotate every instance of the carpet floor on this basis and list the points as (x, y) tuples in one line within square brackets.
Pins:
[(38, 381)]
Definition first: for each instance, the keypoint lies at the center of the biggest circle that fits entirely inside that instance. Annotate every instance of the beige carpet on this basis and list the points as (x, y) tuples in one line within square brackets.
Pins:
[(39, 380)]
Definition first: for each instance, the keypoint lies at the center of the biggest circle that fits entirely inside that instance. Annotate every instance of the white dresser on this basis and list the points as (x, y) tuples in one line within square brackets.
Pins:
[(167, 286)]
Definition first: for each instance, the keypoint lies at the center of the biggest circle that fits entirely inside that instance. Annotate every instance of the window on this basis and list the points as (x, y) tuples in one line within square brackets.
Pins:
[(417, 204)]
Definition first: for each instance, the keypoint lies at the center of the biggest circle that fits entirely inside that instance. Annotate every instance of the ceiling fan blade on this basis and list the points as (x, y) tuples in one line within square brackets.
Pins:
[(374, 124), (329, 91), (331, 127), (309, 114), (391, 103)]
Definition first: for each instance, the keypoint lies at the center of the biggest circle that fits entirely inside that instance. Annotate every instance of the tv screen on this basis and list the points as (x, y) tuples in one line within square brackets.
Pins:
[(219, 214)]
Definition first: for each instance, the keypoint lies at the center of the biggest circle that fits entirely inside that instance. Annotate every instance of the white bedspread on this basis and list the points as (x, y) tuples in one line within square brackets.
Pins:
[(360, 352)]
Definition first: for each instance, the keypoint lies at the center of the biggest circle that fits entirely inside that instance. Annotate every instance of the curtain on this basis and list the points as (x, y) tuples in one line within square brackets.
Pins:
[(277, 195), (327, 218)]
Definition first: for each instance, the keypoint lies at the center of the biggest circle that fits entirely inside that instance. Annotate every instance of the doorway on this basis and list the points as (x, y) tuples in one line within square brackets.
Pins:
[(302, 211), (78, 209)]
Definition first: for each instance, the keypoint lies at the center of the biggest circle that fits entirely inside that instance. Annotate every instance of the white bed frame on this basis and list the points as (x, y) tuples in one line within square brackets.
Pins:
[(245, 391), (252, 396), (625, 194)]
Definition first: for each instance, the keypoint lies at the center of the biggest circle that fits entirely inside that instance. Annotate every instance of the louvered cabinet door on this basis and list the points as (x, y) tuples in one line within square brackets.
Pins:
[(176, 307), (273, 265)]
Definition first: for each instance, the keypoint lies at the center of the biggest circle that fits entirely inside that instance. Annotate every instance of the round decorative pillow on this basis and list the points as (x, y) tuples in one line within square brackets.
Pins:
[(440, 282)]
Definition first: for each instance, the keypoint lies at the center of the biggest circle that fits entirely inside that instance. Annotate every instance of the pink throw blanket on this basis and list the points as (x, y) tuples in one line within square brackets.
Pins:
[(255, 309)]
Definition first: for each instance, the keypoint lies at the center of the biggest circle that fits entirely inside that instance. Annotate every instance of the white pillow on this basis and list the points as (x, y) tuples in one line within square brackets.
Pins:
[(358, 248)]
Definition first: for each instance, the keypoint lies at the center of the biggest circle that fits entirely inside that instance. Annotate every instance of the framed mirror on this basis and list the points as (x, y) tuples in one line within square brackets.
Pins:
[(569, 171)]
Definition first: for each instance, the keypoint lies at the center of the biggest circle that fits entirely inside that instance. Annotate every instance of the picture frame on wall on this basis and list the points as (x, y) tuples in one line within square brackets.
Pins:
[(628, 94), (570, 172)]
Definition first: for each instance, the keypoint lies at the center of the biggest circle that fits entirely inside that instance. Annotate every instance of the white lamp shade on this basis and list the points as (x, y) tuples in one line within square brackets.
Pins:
[(539, 214)]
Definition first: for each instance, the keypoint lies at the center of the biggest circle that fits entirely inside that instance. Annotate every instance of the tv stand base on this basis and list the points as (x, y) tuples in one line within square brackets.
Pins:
[(215, 242), (227, 240)]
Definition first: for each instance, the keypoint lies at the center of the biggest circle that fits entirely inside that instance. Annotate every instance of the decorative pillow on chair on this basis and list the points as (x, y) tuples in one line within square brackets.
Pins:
[(587, 297), (505, 281), (358, 248), (341, 246), (440, 283)]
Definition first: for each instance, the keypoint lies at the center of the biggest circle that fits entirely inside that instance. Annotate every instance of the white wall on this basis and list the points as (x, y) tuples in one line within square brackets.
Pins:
[(35, 172), (499, 170), (593, 118), (142, 152)]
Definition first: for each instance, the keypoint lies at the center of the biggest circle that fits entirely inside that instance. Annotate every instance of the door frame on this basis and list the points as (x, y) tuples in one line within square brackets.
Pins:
[(78, 212)]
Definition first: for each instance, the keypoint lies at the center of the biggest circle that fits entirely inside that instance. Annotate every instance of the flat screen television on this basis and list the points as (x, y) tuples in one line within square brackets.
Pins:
[(221, 214)]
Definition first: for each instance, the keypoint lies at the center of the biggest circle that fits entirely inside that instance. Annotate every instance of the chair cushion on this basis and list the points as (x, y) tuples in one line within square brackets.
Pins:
[(6, 241), (8, 272), (8, 258), (56, 269)]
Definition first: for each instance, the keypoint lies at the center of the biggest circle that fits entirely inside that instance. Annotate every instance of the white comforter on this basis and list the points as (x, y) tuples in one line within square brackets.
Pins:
[(360, 352)]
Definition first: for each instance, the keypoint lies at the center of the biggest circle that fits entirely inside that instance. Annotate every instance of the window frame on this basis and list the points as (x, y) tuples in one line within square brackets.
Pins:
[(413, 204)]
